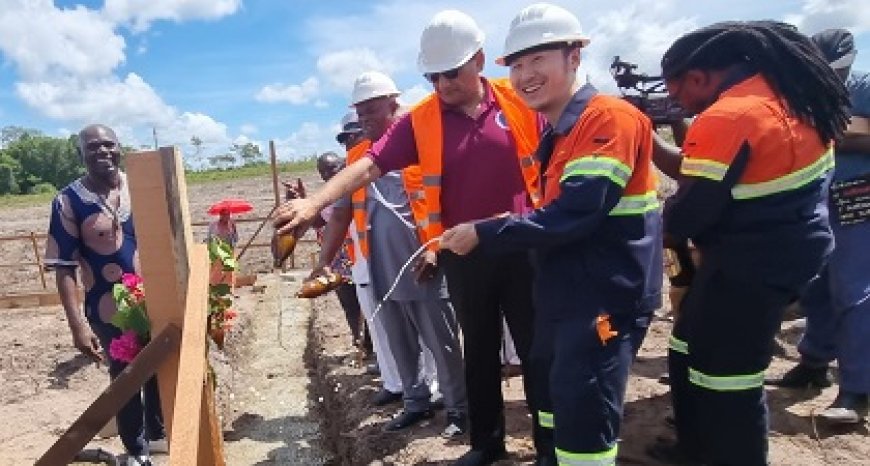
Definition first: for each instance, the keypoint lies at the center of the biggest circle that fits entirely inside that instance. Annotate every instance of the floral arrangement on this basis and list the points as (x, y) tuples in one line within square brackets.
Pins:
[(132, 316), (220, 294)]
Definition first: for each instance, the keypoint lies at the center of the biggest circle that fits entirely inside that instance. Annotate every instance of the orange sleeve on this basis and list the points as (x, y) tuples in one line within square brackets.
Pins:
[(605, 143), (712, 143)]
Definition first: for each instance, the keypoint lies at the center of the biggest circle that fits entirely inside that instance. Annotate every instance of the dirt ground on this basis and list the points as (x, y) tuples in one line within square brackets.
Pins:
[(44, 384)]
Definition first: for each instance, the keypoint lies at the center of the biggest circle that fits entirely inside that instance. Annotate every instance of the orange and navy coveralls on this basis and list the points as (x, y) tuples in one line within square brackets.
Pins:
[(753, 201), (598, 255)]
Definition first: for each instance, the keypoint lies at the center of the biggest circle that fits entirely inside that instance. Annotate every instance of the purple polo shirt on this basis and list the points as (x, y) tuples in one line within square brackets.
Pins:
[(481, 176)]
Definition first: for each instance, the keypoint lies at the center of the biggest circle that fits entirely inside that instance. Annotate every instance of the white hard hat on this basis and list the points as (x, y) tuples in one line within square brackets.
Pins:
[(540, 24), (372, 84), (448, 41)]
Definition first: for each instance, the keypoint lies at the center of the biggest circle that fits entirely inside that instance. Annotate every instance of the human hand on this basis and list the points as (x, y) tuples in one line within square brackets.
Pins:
[(294, 192), (85, 341), (426, 266), (294, 213), (461, 239)]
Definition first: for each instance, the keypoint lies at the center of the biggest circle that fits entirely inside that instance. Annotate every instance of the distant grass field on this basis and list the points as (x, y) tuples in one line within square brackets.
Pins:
[(193, 177)]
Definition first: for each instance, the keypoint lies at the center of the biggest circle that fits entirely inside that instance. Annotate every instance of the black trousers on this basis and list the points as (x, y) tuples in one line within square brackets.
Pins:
[(721, 345), (484, 288), (346, 294)]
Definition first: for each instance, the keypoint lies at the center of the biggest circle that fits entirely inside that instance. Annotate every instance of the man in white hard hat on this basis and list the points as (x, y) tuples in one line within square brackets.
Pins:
[(597, 238), (385, 218), (474, 140)]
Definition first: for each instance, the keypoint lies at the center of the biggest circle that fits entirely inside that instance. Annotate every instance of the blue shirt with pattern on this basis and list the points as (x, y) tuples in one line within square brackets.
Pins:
[(85, 232)]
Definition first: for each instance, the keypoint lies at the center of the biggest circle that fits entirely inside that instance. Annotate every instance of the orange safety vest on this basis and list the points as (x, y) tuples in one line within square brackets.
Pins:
[(412, 179), (429, 137)]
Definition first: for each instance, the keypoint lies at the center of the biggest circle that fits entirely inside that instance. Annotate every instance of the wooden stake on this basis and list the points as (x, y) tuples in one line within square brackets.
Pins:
[(273, 157), (38, 260)]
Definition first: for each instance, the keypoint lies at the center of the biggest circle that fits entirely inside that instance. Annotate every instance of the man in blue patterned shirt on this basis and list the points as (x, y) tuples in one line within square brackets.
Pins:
[(91, 230)]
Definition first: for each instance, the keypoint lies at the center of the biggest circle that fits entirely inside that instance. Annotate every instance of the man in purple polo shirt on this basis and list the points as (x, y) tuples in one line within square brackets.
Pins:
[(480, 177)]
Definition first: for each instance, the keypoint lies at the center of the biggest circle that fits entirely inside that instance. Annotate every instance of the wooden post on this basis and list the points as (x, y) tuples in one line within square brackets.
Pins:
[(158, 196), (191, 365), (38, 260), (273, 157)]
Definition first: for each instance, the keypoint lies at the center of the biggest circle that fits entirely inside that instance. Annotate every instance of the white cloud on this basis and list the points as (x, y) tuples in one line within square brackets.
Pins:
[(139, 14), (248, 129), (106, 99), (42, 40), (296, 94), (341, 68), (311, 138), (413, 95), (817, 15)]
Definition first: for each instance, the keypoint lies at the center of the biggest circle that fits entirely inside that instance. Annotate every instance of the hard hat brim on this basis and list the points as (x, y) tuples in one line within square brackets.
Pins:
[(441, 67), (581, 40), (355, 103)]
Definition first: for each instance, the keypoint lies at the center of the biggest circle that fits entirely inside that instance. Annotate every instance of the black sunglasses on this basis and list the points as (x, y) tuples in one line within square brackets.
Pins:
[(449, 74)]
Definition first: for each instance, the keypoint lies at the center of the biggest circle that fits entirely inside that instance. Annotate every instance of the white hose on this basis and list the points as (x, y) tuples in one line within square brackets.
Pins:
[(399, 277)]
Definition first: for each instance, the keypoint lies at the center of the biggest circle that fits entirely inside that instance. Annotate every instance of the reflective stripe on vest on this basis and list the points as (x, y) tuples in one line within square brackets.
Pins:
[(792, 181), (726, 383), (429, 139), (710, 169), (545, 419), (604, 458), (593, 165), (678, 345), (636, 205)]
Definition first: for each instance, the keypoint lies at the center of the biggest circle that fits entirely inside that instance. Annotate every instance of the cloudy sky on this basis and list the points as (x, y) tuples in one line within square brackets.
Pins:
[(258, 70)]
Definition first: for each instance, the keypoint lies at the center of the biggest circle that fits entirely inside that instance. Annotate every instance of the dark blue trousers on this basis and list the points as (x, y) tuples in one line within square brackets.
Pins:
[(581, 383), (721, 345), (140, 420)]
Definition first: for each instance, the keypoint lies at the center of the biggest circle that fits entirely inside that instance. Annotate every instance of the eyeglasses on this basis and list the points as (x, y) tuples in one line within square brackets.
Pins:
[(449, 74)]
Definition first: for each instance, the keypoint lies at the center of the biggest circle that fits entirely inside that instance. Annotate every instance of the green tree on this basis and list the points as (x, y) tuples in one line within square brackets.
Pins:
[(10, 134), (249, 153), (43, 159), (8, 168), (223, 161)]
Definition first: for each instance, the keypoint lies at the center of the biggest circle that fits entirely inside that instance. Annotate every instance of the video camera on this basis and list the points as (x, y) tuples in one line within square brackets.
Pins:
[(649, 94)]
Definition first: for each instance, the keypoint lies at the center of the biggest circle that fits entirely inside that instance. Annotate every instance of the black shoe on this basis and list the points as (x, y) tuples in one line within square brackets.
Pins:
[(457, 424), (385, 397), (407, 419), (803, 376), (481, 457), (671, 453)]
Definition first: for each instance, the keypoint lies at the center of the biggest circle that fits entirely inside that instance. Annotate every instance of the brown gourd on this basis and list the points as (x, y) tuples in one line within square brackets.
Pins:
[(282, 247)]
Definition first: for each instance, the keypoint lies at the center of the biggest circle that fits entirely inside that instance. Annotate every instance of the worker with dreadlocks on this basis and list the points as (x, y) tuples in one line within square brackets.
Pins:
[(753, 174)]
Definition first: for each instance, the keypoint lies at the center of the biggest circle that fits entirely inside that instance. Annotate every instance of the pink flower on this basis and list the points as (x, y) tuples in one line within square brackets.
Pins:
[(131, 281), (126, 347)]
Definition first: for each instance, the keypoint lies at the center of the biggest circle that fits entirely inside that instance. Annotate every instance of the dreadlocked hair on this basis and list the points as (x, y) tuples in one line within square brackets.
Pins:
[(785, 57)]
